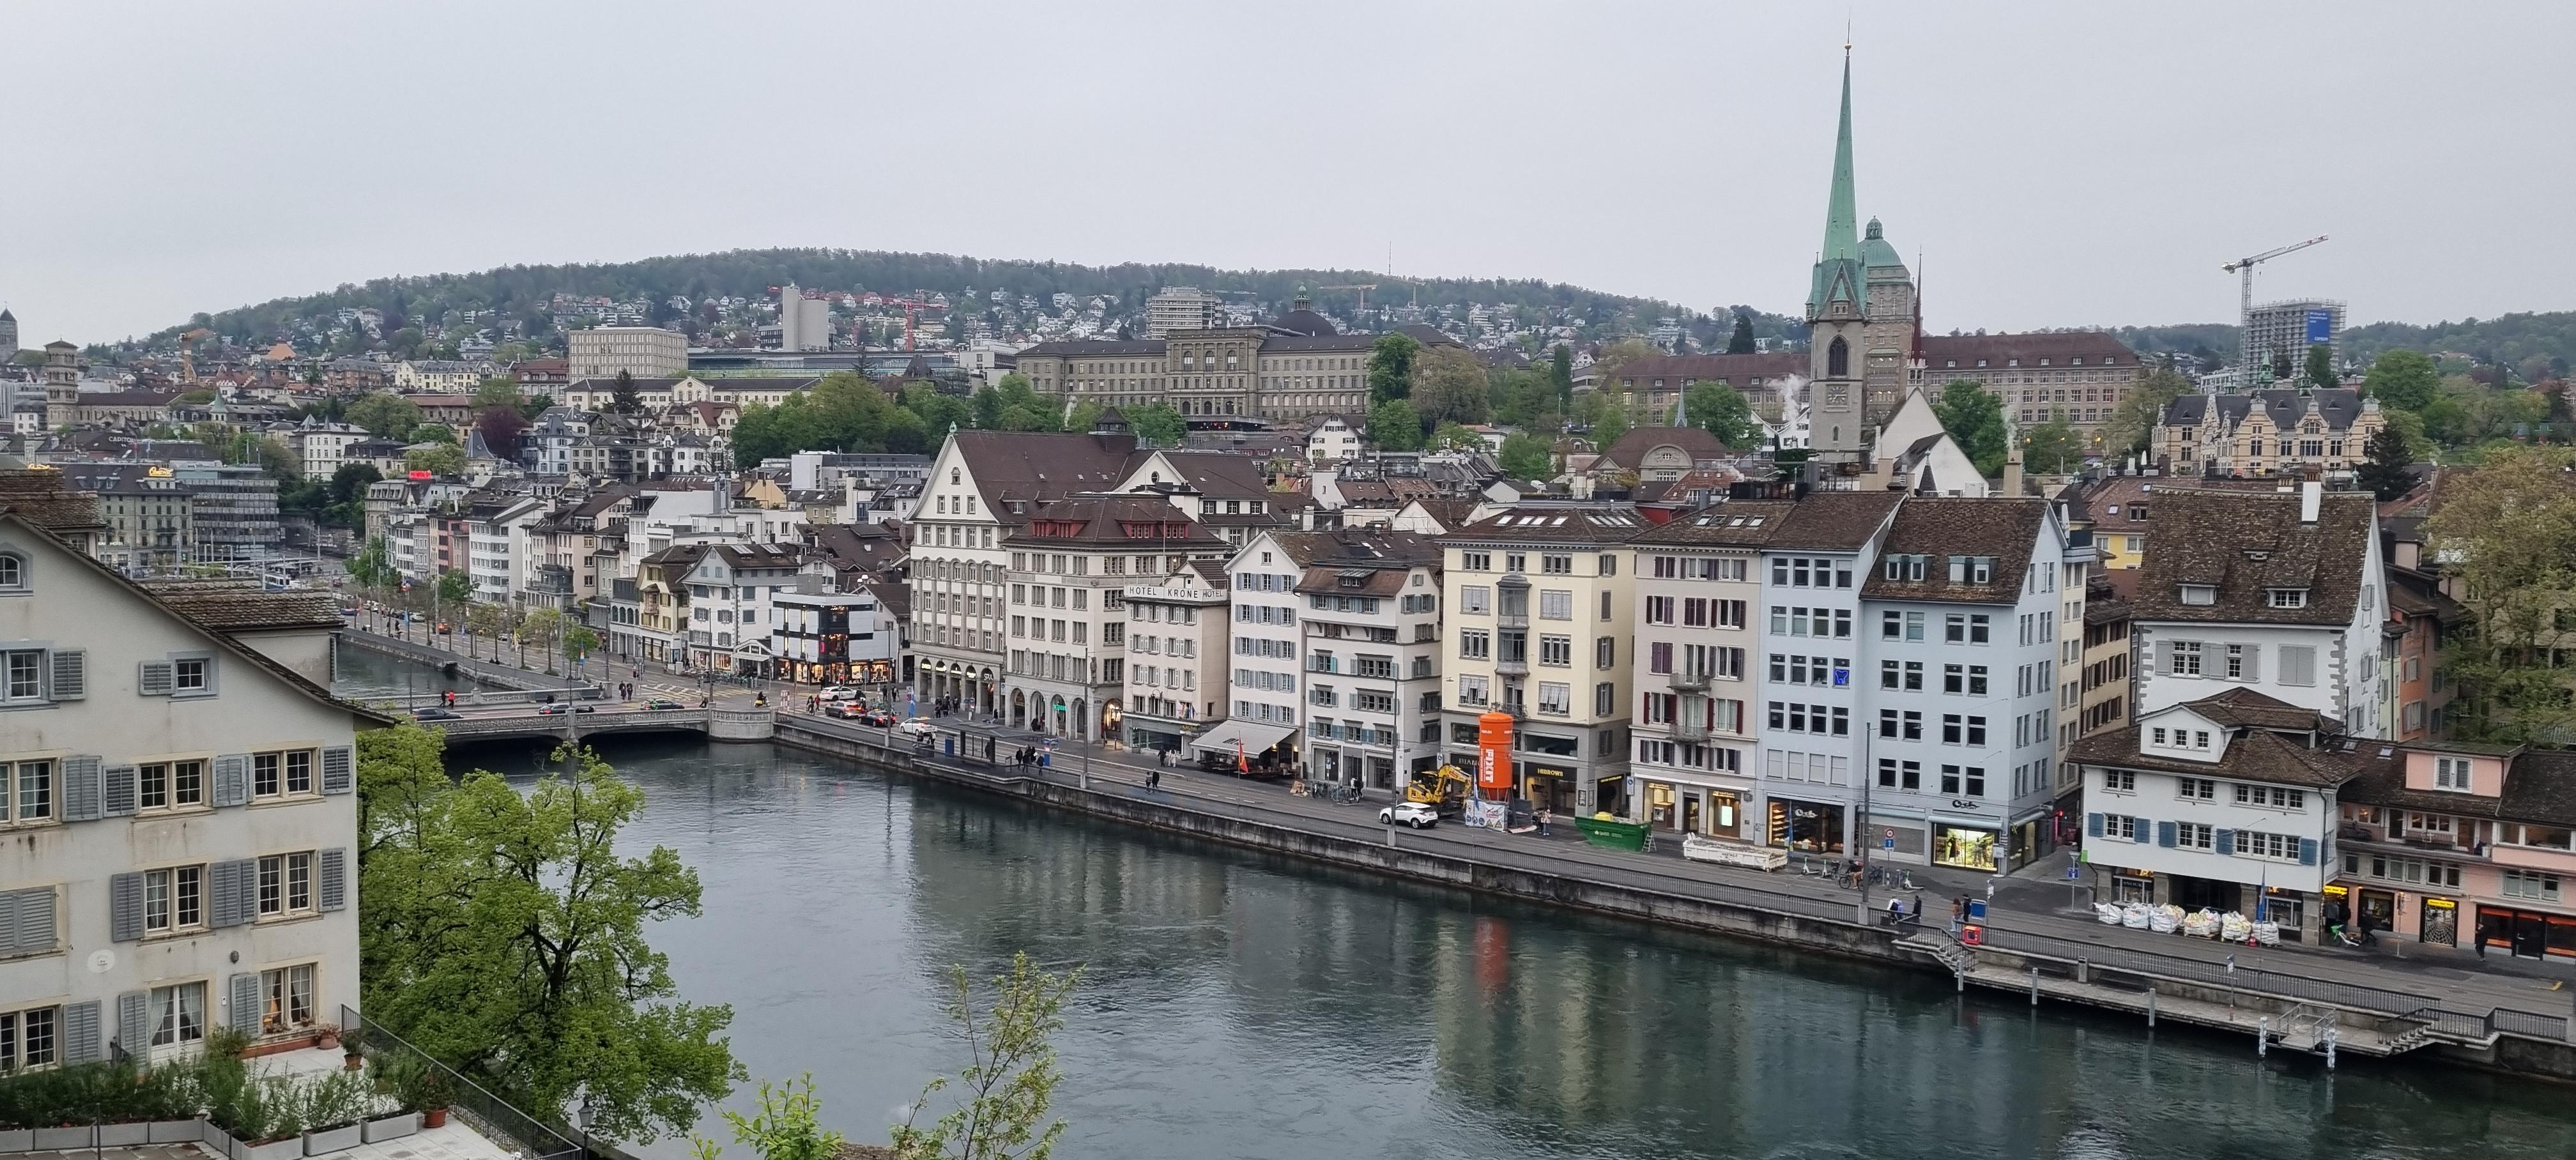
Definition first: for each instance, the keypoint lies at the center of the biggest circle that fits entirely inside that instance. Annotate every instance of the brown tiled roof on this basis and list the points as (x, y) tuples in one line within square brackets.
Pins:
[(2093, 501), (1452, 513), (244, 606), (1697, 442), (45, 499), (2254, 755), (1017, 470), (1738, 370), (1359, 548), (1326, 580), (1219, 474), (2060, 348), (1836, 520), (2005, 528), (2245, 708), (1741, 524), (2246, 543), (1102, 519)]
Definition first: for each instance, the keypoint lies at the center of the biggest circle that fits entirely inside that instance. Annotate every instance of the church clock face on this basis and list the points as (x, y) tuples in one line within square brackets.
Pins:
[(1837, 395)]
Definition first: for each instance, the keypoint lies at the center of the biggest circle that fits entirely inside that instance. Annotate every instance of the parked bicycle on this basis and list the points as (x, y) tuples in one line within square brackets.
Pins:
[(1348, 793)]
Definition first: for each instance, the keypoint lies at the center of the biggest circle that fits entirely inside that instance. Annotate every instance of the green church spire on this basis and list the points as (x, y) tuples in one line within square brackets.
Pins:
[(1842, 233)]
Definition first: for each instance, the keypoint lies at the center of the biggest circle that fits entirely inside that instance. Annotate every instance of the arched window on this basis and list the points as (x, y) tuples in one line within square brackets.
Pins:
[(13, 572), (1838, 360)]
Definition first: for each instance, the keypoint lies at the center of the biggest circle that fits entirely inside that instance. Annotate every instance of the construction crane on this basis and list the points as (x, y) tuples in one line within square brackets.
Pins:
[(2244, 267), (1363, 288), (912, 309)]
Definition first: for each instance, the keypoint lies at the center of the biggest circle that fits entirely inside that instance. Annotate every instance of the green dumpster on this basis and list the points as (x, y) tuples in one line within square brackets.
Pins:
[(1612, 835)]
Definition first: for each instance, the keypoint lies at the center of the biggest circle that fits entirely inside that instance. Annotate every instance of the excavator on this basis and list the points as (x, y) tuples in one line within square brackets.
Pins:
[(1445, 787)]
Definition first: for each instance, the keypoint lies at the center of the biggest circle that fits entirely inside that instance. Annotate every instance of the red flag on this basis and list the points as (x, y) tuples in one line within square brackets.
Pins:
[(1240, 765)]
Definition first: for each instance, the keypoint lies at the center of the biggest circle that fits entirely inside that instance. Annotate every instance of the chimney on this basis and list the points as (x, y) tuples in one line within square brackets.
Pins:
[(2312, 495)]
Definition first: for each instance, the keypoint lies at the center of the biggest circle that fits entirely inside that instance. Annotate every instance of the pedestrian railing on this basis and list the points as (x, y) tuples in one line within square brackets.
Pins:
[(531, 1136)]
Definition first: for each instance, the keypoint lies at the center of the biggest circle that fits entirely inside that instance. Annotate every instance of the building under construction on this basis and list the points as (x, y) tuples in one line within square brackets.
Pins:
[(2278, 330)]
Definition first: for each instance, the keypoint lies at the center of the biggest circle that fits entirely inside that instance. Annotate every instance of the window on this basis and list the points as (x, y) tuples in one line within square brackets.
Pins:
[(26, 791), (2271, 797), (192, 676), (1475, 643), (1476, 598), (2451, 773), (2182, 658), (1475, 561), (2258, 844), (27, 1038), (2298, 664), (23, 680), (1605, 699), (2196, 788), (2119, 781), (2120, 826), (285, 885), (1553, 698), (287, 998), (1555, 565), (1905, 567), (179, 1014), (2530, 884), (1907, 725), (2199, 594), (13, 578), (1471, 691), (1556, 651), (1605, 652), (1555, 604), (174, 899), (2289, 597), (1515, 562)]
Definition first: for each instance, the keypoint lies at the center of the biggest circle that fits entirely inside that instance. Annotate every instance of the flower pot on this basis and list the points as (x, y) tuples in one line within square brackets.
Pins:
[(392, 1127), (17, 1140), (177, 1131), (221, 1142), (434, 1118), (327, 1040), (124, 1135), (354, 1062), (59, 1139), (321, 1141), (290, 1148)]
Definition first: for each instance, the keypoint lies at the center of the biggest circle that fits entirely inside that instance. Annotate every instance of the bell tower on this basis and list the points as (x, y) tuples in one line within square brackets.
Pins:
[(1838, 314), (62, 384)]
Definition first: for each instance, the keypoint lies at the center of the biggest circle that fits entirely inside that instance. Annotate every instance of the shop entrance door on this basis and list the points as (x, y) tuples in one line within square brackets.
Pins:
[(2378, 910), (1690, 813), (2441, 922), (2530, 936)]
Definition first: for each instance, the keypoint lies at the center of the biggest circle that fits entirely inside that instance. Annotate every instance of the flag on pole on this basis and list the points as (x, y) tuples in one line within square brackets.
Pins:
[(1240, 764)]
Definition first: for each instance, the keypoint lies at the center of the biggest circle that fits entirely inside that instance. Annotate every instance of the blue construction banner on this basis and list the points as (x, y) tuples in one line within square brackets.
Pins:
[(2320, 327)]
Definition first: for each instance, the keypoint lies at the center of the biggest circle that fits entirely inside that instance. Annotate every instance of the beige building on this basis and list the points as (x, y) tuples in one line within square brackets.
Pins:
[(646, 352), (1539, 615), (660, 394), (1699, 593), (1071, 563), (1176, 653), (2290, 432), (1282, 372)]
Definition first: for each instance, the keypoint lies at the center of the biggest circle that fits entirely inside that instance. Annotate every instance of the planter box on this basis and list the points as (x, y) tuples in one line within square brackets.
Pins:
[(177, 1131), (391, 1127), (124, 1135), (328, 1140), (17, 1140), (59, 1139), (221, 1142), (290, 1148)]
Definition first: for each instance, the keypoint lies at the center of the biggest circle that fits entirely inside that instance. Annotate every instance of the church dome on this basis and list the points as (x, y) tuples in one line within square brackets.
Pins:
[(1302, 319), (1875, 252)]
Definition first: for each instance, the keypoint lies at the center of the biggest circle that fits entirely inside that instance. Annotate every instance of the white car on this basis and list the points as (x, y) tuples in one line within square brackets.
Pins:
[(917, 727), (838, 693), (1414, 814)]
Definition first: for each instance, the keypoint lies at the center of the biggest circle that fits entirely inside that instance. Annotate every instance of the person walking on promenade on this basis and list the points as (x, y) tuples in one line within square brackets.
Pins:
[(1544, 817)]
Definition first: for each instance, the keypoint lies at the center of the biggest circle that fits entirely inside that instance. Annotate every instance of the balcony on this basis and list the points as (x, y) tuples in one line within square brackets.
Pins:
[(1512, 619), (1687, 682), (1512, 668), (1689, 731)]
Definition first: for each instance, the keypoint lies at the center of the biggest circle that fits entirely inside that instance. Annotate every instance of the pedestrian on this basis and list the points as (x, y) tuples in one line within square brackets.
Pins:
[(1958, 913), (1544, 817), (1895, 911)]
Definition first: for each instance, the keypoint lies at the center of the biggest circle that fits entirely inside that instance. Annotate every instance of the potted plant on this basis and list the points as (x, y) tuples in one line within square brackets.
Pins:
[(326, 1036), (421, 1086), (281, 1122), (333, 1105), (352, 1044)]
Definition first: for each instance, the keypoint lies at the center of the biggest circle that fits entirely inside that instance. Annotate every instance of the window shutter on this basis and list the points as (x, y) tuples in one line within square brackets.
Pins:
[(83, 788), (134, 1022), (2173, 649), (80, 1032), (124, 791), (339, 773), (2093, 825), (2165, 834), (9, 921), (2225, 842), (232, 779), (125, 906), (2144, 830), (35, 925), (223, 895), (246, 889), (2254, 662), (154, 679), (331, 871), (245, 1000), (2307, 851), (71, 674)]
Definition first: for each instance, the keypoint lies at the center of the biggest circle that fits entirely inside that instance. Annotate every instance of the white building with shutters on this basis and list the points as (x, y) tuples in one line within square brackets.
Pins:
[(179, 814)]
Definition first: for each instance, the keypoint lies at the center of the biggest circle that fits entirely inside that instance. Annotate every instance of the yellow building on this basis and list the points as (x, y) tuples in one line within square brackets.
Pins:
[(2292, 430)]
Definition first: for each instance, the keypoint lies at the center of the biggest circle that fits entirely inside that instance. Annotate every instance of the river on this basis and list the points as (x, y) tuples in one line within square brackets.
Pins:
[(1239, 1005)]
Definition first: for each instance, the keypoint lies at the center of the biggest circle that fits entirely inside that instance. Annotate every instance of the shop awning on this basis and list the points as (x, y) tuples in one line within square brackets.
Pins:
[(1255, 737)]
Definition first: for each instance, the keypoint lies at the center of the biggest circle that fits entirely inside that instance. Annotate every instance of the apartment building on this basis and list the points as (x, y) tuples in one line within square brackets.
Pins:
[(1268, 693), (1540, 600), (834, 638), (2229, 802), (1811, 740), (2279, 591), (2462, 845), (1961, 614), (2266, 433), (730, 588), (1698, 600), (180, 810), (643, 352), (2102, 702), (1371, 639), (1070, 565), (1176, 653)]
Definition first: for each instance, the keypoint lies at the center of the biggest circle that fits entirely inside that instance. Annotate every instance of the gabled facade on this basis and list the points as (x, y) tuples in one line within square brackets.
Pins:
[(1070, 565), (2463, 845), (1371, 647), (1698, 644), (1177, 655), (1813, 732)]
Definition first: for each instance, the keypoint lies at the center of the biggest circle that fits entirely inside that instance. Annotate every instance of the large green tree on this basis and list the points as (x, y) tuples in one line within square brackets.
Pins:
[(386, 415), (1395, 426), (2321, 372), (497, 391), (437, 459), (1974, 417), (1560, 375), (1449, 386), (1157, 424), (2052, 447), (2403, 378), (1721, 410), (1526, 457), (2133, 421), (1452, 437), (1741, 342), (1390, 366), (2507, 533), (2384, 471), (504, 933)]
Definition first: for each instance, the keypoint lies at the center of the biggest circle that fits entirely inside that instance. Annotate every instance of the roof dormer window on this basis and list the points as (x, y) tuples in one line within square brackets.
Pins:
[(2200, 595), (2289, 597)]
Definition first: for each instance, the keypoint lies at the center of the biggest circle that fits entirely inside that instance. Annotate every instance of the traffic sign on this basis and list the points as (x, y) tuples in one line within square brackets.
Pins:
[(1887, 843)]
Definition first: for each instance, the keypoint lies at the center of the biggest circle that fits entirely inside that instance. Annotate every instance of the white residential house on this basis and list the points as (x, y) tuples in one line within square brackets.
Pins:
[(1268, 687), (1372, 653), (1813, 730), (730, 589), (1070, 567)]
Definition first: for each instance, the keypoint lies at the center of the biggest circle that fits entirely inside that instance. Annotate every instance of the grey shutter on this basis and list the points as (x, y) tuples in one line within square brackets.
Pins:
[(71, 674), (124, 790), (232, 779), (2093, 825), (154, 679), (2226, 842), (80, 1032), (9, 922), (2254, 663), (2165, 834), (125, 906), (35, 925), (339, 769), (244, 1016), (223, 894), (331, 879), (134, 1022), (2307, 851), (2173, 649), (84, 788), (246, 889)]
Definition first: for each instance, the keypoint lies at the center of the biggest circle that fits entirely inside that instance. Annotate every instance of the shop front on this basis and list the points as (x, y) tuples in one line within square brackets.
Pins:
[(1684, 808), (2526, 934), (1805, 827), (1547, 787), (1966, 843)]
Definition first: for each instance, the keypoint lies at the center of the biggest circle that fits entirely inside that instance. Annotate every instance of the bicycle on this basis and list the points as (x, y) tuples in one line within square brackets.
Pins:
[(1348, 794)]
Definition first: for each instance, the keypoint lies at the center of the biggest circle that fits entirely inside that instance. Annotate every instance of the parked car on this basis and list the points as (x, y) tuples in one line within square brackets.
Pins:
[(846, 710), (559, 708), (663, 703), (1415, 814), (437, 715)]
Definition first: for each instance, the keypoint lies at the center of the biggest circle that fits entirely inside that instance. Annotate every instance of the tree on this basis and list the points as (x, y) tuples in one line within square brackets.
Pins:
[(456, 588), (1157, 424), (1527, 458), (1084, 415), (1012, 404), (2052, 447), (501, 428), (1449, 386), (484, 621), (1560, 376), (431, 433), (2321, 369), (384, 415), (198, 397), (1390, 366), (439, 459), (1395, 426), (1452, 437), (540, 627), (1975, 417), (579, 641), (2507, 533), (787, 1127), (1722, 411), (373, 566), (2133, 421), (504, 936), (2405, 379), (1741, 342), (1010, 1077), (623, 397), (2385, 471), (349, 484), (497, 391)]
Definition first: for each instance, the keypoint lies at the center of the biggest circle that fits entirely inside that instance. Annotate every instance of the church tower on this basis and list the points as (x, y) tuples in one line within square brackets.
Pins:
[(62, 384), (1838, 314)]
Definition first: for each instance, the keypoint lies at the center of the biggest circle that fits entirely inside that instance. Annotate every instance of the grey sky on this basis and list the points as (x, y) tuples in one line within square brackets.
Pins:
[(2055, 164)]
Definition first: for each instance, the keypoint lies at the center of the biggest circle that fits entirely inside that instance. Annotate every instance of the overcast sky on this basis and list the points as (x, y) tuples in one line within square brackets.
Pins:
[(2054, 164)]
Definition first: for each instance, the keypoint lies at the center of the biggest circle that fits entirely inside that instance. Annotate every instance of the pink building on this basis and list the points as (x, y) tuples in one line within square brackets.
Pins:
[(2463, 845)]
